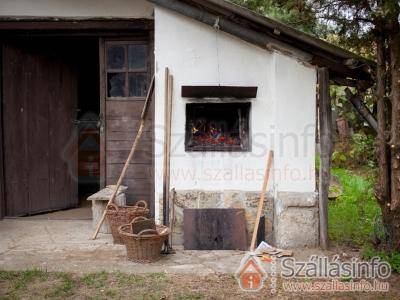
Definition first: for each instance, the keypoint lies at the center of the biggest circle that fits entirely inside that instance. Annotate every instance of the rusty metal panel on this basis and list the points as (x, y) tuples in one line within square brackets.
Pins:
[(244, 92), (215, 229)]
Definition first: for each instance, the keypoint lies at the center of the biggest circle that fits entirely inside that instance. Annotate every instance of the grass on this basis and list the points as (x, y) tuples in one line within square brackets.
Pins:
[(354, 216), (37, 284), (63, 287), (393, 258)]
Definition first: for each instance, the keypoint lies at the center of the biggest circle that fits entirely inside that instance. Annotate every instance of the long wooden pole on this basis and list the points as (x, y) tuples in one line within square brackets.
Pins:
[(262, 197), (325, 141), (166, 148), (128, 160)]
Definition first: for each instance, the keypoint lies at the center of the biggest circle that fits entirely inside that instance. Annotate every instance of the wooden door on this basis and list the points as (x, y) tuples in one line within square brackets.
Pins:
[(126, 69), (40, 146)]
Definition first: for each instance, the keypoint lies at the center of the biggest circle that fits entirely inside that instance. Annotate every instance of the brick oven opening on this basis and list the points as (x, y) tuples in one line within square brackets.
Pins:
[(217, 127)]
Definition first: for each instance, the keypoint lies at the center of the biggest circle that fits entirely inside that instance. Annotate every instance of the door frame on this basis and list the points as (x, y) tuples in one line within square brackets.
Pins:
[(149, 37), (68, 27)]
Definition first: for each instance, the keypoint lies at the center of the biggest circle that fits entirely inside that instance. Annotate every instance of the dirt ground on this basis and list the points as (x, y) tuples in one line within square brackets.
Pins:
[(54, 259), (35, 284)]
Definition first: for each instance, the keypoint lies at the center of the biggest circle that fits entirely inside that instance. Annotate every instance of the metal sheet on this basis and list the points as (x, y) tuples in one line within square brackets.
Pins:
[(215, 229)]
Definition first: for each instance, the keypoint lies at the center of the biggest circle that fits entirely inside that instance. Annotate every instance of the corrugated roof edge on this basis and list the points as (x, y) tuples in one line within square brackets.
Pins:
[(290, 31)]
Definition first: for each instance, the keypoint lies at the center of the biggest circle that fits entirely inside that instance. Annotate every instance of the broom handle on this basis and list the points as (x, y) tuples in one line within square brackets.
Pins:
[(128, 160), (262, 197)]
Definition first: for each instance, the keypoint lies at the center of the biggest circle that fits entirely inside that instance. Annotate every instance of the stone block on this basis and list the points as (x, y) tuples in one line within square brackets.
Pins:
[(296, 222)]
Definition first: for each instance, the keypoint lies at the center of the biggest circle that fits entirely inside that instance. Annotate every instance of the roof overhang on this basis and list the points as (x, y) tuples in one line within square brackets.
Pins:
[(273, 35)]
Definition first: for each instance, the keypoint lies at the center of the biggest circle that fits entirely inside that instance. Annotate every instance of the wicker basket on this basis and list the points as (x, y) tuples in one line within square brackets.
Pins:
[(144, 247), (120, 215)]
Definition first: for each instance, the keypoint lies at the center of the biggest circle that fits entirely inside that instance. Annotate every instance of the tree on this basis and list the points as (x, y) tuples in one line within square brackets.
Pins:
[(359, 23), (356, 25)]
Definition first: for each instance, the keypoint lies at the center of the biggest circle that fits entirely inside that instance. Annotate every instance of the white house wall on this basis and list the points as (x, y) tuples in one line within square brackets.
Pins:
[(197, 54), (295, 114), (77, 8)]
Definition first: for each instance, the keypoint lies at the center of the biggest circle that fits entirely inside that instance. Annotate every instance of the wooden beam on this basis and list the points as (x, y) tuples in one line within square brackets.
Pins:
[(325, 141), (364, 112), (102, 114), (2, 193), (73, 24)]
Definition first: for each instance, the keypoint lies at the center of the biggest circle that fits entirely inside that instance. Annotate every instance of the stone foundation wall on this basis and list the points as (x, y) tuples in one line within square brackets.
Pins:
[(291, 221), (221, 199)]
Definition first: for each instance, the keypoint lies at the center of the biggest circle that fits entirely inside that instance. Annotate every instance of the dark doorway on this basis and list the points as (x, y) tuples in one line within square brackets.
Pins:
[(88, 120), (50, 116)]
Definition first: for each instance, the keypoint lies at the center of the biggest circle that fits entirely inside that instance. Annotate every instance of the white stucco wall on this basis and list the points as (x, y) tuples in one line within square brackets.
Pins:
[(284, 109), (77, 8)]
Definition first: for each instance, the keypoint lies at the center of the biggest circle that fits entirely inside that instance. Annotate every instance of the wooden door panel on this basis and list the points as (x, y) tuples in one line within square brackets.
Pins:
[(38, 139), (64, 145), (40, 94), (15, 112), (121, 125)]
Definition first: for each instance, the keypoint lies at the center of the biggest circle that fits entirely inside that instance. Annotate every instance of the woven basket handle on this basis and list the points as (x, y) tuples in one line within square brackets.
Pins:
[(112, 206), (138, 219), (142, 202), (148, 231)]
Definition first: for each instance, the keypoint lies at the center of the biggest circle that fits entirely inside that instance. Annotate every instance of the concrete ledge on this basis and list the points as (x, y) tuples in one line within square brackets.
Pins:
[(296, 223), (294, 199)]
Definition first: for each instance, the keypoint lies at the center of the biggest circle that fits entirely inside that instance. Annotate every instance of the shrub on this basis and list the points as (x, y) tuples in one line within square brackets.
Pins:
[(353, 215), (359, 151)]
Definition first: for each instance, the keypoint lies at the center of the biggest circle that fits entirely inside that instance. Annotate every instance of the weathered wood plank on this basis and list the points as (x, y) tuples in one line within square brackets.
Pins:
[(15, 130), (40, 147), (135, 184), (142, 171), (128, 136), (119, 157), (128, 125), (116, 109), (126, 145)]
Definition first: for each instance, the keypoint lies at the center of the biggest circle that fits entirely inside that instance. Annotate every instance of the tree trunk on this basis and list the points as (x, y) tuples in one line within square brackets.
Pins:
[(383, 187), (394, 40), (393, 217)]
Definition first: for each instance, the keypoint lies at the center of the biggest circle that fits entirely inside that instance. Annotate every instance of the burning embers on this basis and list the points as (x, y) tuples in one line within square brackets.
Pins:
[(217, 127)]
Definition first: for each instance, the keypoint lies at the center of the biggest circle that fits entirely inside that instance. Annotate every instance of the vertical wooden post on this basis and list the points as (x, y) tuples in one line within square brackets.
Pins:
[(102, 114), (2, 194), (325, 141)]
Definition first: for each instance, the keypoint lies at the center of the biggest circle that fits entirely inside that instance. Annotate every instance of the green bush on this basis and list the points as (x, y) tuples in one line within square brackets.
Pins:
[(358, 152), (353, 216)]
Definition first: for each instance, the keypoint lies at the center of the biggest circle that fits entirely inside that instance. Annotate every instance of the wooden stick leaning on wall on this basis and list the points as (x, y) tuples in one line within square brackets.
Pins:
[(167, 115), (170, 88), (167, 154), (128, 160), (262, 197)]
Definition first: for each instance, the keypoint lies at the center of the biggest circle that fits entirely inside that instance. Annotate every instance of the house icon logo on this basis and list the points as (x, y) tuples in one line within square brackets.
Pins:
[(250, 275)]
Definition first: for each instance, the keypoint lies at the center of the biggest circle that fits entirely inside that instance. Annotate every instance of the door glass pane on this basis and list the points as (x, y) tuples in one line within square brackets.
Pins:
[(137, 56), (116, 84), (116, 57), (137, 84)]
